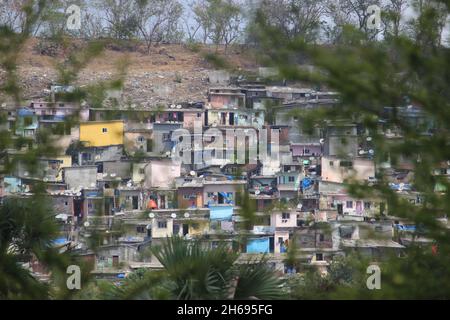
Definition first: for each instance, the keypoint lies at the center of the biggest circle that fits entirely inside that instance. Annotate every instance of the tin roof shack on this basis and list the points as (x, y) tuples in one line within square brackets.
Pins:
[(306, 150), (284, 116), (116, 170), (7, 118), (264, 190), (234, 117), (316, 244), (152, 176), (334, 197), (92, 155), (160, 198), (129, 199), (115, 257), (220, 190), (376, 250), (162, 137), (226, 98), (372, 240), (80, 177), (48, 169), (53, 114), (190, 196), (26, 123), (288, 179), (337, 170), (138, 142), (341, 139)]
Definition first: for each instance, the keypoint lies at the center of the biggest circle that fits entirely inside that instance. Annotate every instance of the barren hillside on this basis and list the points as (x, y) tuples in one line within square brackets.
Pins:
[(170, 73)]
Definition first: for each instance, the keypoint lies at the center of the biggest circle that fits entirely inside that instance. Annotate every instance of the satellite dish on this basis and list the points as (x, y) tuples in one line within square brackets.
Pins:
[(87, 224), (92, 185), (321, 140), (192, 173), (178, 106), (148, 227), (369, 138), (186, 214), (151, 215), (361, 152), (173, 215), (172, 106), (257, 192), (370, 151), (112, 174)]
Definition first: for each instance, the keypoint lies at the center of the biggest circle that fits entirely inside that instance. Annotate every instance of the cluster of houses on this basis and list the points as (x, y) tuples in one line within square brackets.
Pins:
[(114, 175)]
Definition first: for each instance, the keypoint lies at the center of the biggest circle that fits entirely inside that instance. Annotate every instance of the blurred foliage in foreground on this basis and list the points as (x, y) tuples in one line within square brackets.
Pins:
[(369, 76)]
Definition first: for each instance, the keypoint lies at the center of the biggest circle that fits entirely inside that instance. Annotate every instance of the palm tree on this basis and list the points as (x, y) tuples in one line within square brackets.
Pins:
[(27, 230), (191, 271)]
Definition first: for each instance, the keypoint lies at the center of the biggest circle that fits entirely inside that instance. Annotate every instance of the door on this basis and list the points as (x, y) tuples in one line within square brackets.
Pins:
[(358, 207), (115, 261), (231, 118), (185, 229), (339, 208), (135, 200)]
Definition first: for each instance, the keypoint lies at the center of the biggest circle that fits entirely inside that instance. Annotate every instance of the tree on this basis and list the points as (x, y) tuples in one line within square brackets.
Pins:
[(193, 271), (122, 18), (220, 20), (27, 230), (158, 21), (377, 82), (392, 18), (344, 13), (295, 17)]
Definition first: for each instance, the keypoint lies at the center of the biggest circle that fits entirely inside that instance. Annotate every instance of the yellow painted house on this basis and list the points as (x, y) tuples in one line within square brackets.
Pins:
[(102, 133)]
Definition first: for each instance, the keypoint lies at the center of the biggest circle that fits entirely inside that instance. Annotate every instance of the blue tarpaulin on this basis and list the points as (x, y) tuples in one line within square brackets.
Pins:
[(221, 212), (59, 241), (306, 183), (260, 245)]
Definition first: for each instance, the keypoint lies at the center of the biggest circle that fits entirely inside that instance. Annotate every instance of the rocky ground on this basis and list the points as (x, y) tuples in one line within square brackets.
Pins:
[(170, 73)]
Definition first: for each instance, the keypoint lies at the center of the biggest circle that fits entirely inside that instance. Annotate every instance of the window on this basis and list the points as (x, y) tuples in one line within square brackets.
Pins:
[(166, 136), (349, 204), (345, 163), (291, 178), (104, 130), (367, 205), (285, 215), (162, 224), (331, 163), (307, 151), (199, 115), (186, 196), (321, 237), (319, 256), (140, 229), (141, 171), (141, 139), (210, 194)]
